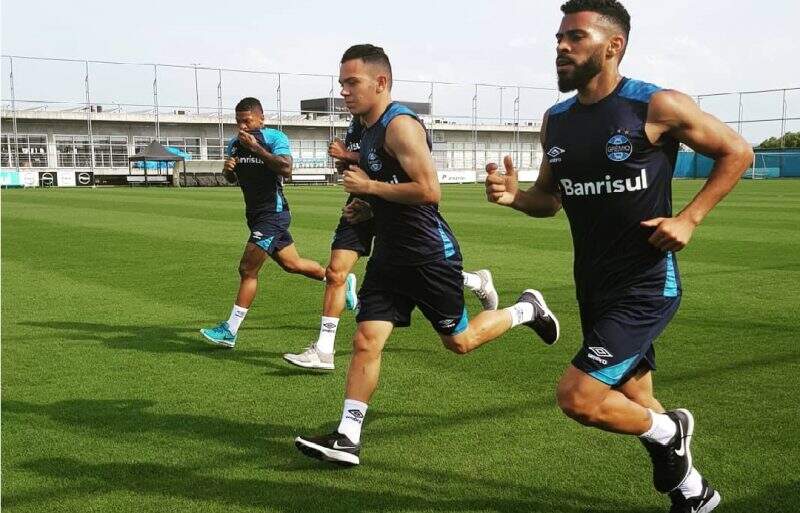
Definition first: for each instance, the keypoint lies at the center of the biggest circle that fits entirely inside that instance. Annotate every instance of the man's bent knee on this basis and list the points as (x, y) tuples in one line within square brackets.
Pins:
[(335, 277), (576, 406), (248, 271), (458, 345), (365, 344)]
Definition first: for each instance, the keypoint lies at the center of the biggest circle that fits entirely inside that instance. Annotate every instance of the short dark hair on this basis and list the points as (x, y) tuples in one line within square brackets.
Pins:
[(249, 104), (370, 54), (611, 10)]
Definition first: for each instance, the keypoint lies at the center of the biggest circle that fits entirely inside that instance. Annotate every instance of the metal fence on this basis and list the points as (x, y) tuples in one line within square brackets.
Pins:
[(756, 115), (151, 91), (196, 91)]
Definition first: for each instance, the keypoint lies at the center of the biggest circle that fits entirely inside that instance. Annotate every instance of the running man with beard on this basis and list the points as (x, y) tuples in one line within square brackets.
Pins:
[(610, 152)]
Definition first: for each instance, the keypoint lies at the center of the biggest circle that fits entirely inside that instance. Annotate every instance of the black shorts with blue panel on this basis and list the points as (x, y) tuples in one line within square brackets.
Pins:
[(270, 230)]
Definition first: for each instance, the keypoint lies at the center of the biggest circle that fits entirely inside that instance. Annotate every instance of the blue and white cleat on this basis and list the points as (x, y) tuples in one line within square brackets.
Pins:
[(350, 292), (220, 336)]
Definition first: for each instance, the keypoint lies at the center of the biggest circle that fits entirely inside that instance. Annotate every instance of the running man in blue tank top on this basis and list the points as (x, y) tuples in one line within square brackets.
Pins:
[(260, 158), (351, 240), (610, 153), (416, 260)]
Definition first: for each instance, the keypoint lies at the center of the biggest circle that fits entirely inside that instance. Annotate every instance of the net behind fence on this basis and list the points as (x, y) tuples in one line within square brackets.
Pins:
[(772, 163)]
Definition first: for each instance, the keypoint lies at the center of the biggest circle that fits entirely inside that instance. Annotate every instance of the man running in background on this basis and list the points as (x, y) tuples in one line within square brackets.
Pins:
[(260, 158), (610, 153), (416, 261), (352, 240)]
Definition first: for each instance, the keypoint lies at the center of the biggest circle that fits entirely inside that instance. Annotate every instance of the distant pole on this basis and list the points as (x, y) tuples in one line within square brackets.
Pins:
[(196, 88), (475, 129), (518, 156), (15, 156), (501, 104), (280, 104), (89, 119), (155, 100), (739, 122), (219, 114), (331, 111), (430, 107), (783, 117)]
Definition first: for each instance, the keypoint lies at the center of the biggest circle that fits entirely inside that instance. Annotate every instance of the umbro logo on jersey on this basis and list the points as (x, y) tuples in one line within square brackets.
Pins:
[(555, 154)]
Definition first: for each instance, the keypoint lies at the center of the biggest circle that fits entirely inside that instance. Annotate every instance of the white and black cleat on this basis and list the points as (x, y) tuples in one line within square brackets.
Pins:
[(703, 503), (334, 447), (673, 462), (544, 322)]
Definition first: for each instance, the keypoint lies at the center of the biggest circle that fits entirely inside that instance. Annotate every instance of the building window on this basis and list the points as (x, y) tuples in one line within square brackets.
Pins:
[(28, 150), (215, 150), (76, 150)]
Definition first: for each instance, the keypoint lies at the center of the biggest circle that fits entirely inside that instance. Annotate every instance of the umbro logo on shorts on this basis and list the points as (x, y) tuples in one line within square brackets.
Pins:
[(601, 351), (447, 323), (599, 354)]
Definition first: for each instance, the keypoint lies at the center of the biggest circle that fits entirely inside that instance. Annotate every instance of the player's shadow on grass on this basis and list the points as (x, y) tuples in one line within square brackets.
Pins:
[(155, 339), (268, 448), (301, 493)]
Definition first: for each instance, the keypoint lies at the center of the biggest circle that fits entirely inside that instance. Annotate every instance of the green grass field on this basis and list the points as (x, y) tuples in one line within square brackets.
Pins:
[(111, 402)]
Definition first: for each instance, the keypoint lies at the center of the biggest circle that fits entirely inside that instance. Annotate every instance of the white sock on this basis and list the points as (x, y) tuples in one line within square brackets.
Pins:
[(692, 486), (520, 312), (236, 318), (471, 281), (327, 334), (352, 418), (661, 430)]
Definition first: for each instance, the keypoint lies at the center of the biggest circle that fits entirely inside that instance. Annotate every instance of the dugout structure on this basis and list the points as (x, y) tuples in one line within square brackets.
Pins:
[(158, 154)]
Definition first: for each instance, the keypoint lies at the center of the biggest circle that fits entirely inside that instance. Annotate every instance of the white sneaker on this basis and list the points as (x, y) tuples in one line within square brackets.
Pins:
[(486, 294), (311, 358)]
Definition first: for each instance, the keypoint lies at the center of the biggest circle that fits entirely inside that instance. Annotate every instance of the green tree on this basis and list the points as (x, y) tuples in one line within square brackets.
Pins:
[(790, 140)]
